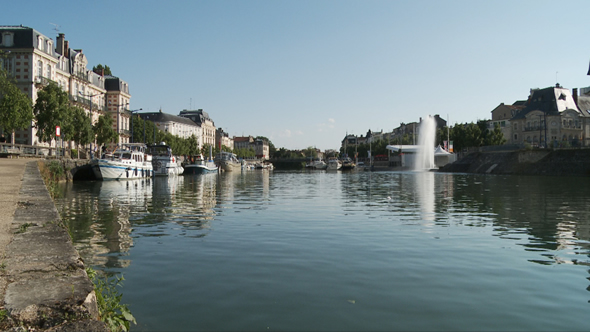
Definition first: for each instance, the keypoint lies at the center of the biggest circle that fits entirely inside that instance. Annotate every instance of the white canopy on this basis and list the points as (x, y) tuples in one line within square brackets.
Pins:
[(440, 151)]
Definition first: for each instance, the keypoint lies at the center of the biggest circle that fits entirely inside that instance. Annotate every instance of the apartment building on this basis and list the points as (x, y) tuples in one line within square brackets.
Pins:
[(260, 146), (175, 125), (35, 60), (550, 118), (222, 139), (203, 120)]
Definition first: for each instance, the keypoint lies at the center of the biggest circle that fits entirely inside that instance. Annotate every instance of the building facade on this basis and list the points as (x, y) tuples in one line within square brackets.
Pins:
[(35, 60), (175, 125), (261, 147), (501, 116), (222, 139), (550, 118), (203, 120)]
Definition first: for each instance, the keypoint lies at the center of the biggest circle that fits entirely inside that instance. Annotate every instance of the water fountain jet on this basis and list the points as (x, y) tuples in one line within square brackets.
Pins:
[(425, 153)]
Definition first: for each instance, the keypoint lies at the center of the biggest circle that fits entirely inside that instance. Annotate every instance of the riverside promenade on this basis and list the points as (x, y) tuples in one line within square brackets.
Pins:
[(43, 282)]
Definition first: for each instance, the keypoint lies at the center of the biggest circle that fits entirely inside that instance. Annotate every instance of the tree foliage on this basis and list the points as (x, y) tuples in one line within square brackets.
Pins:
[(52, 109), (103, 129), (16, 108), (81, 127), (97, 69)]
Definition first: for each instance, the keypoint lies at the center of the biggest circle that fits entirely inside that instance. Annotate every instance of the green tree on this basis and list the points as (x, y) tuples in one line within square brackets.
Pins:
[(52, 109), (80, 128), (16, 108), (97, 69), (103, 129)]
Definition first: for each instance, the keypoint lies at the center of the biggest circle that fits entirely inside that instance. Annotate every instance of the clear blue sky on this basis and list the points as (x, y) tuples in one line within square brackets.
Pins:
[(304, 73)]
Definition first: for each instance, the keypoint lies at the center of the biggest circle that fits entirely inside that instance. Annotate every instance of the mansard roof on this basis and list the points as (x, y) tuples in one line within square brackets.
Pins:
[(164, 117), (24, 37), (551, 101), (198, 116)]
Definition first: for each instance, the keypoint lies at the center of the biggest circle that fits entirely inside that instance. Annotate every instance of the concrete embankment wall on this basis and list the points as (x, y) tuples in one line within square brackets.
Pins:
[(534, 162), (46, 287)]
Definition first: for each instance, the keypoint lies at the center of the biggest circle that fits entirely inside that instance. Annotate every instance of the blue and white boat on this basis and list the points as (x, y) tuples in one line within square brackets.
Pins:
[(200, 166), (129, 161)]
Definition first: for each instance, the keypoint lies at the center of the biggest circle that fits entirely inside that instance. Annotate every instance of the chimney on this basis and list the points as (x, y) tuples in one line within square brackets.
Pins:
[(66, 49), (575, 95), (60, 43)]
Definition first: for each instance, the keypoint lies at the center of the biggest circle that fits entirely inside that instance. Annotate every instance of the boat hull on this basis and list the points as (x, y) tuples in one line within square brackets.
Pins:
[(166, 166), (112, 170), (229, 166), (199, 169)]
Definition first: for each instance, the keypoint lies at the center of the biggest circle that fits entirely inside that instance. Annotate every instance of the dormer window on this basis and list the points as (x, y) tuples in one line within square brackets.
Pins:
[(7, 39)]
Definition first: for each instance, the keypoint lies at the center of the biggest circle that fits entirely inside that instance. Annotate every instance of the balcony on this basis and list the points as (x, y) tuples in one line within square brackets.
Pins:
[(43, 81), (534, 128), (86, 103), (82, 75)]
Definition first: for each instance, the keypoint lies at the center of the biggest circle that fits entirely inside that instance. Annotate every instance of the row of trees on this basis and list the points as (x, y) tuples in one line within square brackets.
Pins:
[(464, 135), (52, 108)]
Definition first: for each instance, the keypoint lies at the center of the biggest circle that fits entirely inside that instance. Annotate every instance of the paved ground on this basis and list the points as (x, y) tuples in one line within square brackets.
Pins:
[(11, 174), (43, 283)]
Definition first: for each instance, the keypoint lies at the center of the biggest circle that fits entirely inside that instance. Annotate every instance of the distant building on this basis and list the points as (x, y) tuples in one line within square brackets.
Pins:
[(175, 125), (261, 147), (550, 117), (117, 96), (501, 116), (222, 139), (203, 120)]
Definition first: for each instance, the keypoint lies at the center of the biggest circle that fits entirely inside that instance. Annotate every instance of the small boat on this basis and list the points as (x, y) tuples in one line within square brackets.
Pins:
[(263, 166), (201, 166), (163, 161), (228, 162), (348, 164), (317, 164), (129, 161), (334, 164)]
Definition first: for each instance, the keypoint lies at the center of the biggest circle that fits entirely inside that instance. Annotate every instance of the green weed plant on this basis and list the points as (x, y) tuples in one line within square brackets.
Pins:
[(115, 314)]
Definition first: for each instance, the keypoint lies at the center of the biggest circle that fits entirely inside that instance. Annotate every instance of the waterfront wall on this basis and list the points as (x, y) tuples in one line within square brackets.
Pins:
[(574, 162), (47, 287)]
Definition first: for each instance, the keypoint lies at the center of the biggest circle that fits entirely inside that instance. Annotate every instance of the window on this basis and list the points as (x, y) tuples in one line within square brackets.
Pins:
[(49, 71), (7, 65), (7, 39), (40, 68)]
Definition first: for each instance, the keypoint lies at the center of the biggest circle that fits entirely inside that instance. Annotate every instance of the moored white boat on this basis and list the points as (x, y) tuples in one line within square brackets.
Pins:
[(163, 161), (317, 164), (228, 162), (130, 161), (334, 164)]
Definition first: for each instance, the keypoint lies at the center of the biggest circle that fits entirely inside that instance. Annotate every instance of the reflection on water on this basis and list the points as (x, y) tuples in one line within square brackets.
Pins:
[(369, 251)]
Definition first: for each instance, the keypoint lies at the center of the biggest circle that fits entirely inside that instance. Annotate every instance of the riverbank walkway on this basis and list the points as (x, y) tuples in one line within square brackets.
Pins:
[(43, 282)]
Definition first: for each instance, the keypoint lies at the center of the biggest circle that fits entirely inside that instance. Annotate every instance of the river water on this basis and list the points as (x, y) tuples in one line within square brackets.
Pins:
[(359, 251)]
